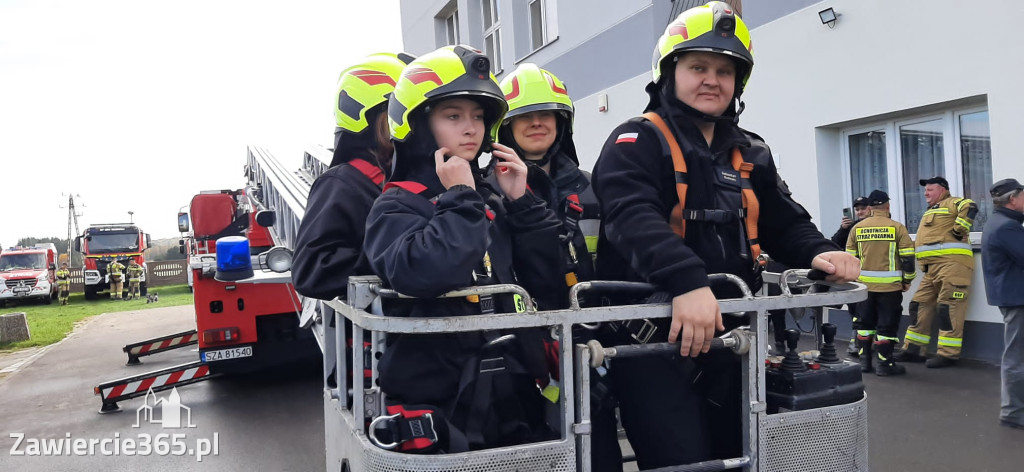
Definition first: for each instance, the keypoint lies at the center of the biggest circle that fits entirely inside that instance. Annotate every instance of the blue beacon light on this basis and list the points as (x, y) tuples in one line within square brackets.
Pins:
[(233, 259)]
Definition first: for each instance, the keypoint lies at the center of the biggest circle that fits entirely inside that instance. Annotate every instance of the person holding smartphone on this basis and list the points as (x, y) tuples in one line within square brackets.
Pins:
[(439, 226), (860, 211)]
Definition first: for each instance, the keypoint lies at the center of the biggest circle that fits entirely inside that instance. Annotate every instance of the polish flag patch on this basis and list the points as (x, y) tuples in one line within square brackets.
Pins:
[(626, 138)]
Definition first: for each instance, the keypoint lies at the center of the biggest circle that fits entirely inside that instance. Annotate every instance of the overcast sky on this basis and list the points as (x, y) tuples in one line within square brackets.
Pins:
[(139, 105)]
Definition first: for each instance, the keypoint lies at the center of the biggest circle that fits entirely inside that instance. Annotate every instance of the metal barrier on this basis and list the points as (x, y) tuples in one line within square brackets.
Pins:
[(350, 447)]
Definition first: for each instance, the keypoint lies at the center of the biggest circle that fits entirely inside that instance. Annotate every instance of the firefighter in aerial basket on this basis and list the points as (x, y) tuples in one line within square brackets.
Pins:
[(329, 247), (439, 226), (685, 192)]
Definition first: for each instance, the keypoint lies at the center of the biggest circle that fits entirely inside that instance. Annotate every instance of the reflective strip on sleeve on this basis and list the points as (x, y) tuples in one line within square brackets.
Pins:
[(943, 249), (950, 342), (907, 251), (918, 338), (964, 223)]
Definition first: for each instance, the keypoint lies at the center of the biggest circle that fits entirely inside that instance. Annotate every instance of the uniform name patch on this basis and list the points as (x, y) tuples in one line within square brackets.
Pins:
[(875, 233), (626, 138)]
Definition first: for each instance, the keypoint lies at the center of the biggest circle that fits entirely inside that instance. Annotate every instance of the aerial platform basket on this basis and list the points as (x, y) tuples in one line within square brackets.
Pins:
[(832, 438)]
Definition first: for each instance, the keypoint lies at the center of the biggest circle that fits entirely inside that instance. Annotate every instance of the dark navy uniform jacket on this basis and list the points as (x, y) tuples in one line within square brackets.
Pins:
[(635, 181), (1002, 253), (424, 248), (329, 246)]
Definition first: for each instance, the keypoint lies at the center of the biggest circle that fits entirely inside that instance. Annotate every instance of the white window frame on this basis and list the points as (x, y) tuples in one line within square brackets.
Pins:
[(451, 28), (543, 23), (447, 21), (952, 163), (492, 30)]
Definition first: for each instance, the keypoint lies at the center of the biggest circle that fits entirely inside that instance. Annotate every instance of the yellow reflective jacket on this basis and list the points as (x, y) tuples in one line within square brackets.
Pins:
[(134, 273), (885, 250), (63, 277), (944, 233)]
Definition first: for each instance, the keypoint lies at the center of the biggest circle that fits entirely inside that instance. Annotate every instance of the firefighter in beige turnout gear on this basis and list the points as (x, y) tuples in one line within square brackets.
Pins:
[(116, 272), (134, 277), (887, 267), (64, 283), (944, 251)]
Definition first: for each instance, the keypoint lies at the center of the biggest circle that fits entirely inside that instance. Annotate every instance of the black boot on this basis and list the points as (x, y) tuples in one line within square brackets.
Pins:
[(911, 354), (886, 362), (864, 345), (851, 349)]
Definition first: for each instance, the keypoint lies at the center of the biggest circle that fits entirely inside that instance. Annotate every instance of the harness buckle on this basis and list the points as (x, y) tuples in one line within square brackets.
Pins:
[(417, 427), (493, 364), (640, 330)]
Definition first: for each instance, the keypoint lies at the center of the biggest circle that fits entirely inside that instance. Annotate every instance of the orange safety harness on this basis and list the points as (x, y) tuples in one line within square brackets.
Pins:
[(751, 207)]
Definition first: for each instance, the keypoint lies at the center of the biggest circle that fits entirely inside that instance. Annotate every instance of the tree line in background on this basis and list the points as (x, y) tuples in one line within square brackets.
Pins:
[(160, 250)]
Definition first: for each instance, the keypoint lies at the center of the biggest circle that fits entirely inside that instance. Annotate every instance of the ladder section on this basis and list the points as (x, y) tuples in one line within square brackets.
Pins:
[(275, 188)]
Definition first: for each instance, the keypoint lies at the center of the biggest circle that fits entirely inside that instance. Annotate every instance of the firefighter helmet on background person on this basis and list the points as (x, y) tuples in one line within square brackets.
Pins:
[(365, 85), (530, 88), (450, 72), (712, 27)]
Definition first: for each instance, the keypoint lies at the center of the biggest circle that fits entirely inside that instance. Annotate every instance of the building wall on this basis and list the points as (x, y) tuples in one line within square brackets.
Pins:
[(882, 60)]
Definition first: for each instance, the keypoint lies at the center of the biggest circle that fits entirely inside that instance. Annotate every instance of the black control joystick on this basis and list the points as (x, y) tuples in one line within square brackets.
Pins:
[(828, 349), (792, 362)]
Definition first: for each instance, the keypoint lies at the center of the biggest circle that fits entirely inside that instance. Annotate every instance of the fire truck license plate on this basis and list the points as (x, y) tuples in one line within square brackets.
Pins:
[(225, 354), (21, 290)]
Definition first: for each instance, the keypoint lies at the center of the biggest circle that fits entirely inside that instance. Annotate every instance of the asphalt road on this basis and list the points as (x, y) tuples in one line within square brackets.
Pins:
[(271, 422)]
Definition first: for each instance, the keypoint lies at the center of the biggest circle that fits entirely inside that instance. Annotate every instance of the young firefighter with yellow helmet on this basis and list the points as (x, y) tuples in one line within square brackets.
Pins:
[(439, 226), (330, 238), (538, 126), (685, 193)]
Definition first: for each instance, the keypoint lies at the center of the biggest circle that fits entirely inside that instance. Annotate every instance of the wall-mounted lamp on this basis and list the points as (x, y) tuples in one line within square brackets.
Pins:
[(828, 17)]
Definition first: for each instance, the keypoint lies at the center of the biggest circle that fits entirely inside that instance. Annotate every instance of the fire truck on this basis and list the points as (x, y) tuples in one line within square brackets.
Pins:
[(104, 243), (246, 321), (28, 273)]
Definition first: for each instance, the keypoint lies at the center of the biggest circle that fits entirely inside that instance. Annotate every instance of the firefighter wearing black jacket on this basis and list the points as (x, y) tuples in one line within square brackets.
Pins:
[(538, 126), (439, 226), (682, 409), (329, 247)]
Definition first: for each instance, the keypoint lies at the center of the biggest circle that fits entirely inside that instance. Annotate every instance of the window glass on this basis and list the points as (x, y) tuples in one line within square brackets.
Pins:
[(922, 152), (492, 39), (867, 163), (452, 28), (976, 153), (537, 24), (492, 48), (489, 17)]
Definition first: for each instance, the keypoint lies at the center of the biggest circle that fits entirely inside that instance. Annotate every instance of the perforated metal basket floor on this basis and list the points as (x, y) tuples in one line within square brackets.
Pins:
[(558, 456), (829, 439)]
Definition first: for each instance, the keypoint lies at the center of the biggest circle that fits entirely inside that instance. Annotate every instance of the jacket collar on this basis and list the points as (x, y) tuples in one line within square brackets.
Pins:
[(884, 213), (1012, 214)]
